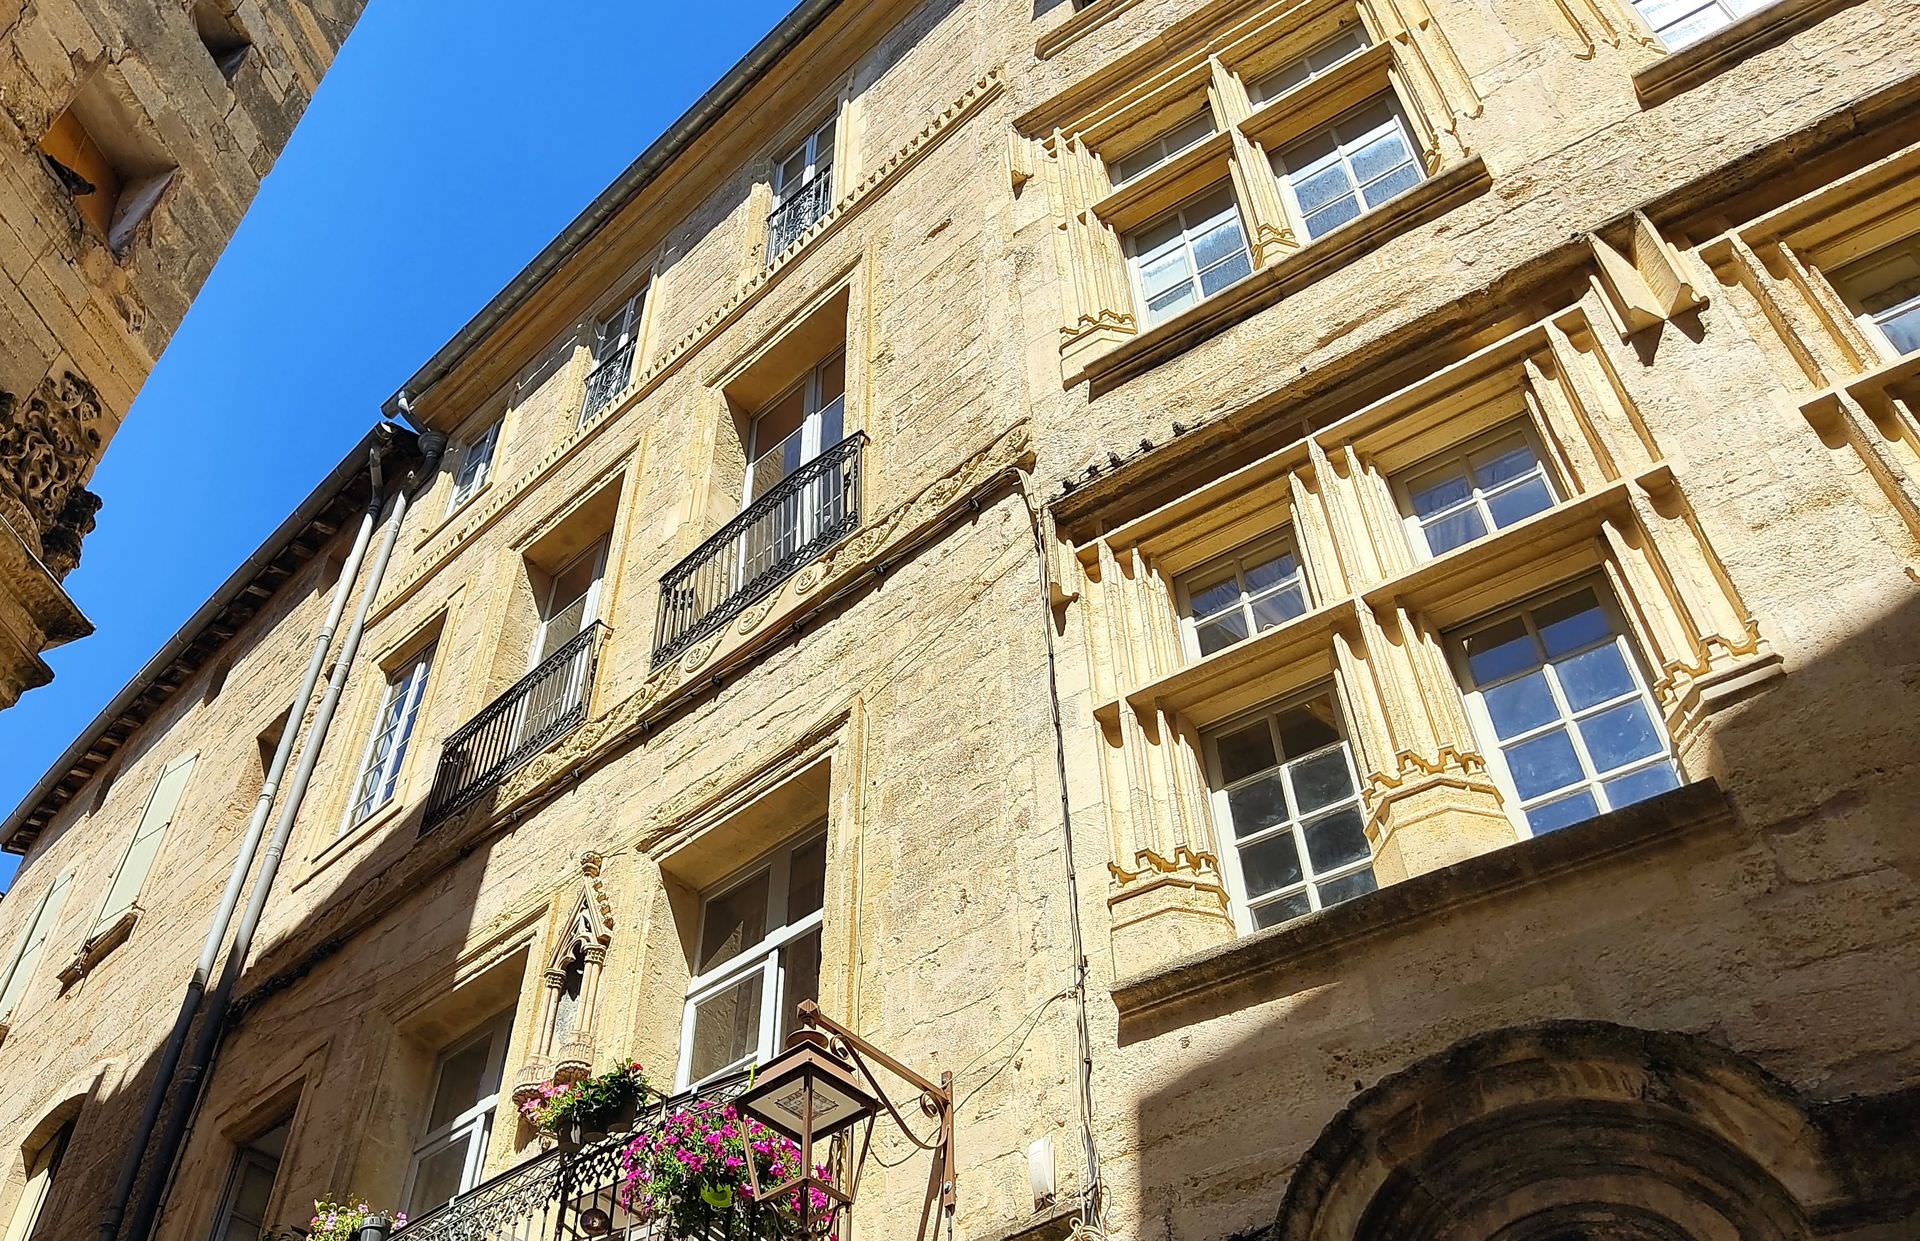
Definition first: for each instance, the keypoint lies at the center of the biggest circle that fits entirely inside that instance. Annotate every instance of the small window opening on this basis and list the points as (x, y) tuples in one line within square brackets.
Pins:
[(107, 159), (222, 36)]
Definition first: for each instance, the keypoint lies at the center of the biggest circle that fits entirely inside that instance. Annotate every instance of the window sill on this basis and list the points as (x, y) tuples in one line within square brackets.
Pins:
[(1681, 71), (95, 950), (351, 839), (1434, 197), (1261, 961), (452, 515), (1160, 189), (1080, 24)]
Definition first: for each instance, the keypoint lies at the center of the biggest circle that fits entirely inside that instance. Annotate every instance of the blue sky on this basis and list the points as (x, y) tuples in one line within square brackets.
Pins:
[(450, 142)]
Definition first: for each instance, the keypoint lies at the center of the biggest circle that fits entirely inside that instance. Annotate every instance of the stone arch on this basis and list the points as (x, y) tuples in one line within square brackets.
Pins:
[(1561, 1131), (33, 1160)]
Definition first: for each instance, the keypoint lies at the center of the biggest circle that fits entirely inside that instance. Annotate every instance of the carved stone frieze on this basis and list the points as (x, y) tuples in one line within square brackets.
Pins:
[(48, 445)]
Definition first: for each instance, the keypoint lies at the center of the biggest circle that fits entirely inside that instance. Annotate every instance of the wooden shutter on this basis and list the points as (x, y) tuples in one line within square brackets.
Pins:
[(145, 845), (32, 943)]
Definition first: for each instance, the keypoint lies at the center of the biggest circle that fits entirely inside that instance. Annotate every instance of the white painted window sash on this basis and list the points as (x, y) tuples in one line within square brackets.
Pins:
[(1255, 554), (476, 465), (1459, 459), (389, 740), (473, 1125)]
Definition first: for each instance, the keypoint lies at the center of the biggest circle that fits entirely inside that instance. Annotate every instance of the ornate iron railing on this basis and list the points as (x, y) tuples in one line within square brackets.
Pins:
[(543, 706), (796, 215), (574, 1195), (799, 518), (606, 382)]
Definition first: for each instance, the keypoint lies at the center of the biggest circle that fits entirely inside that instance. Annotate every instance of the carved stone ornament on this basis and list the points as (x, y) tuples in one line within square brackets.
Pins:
[(48, 443)]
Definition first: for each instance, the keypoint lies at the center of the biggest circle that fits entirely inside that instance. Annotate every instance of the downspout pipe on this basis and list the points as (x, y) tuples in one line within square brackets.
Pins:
[(433, 446), (249, 846)]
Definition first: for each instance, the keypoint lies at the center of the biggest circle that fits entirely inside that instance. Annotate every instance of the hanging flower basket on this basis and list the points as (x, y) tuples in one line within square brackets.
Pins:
[(583, 1112), (692, 1170)]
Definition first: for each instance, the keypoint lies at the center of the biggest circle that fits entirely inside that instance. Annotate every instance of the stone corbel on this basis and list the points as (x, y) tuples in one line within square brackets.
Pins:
[(48, 445), (1645, 287)]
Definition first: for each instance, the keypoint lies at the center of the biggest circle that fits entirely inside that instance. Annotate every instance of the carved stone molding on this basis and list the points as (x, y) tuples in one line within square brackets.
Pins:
[(48, 445)]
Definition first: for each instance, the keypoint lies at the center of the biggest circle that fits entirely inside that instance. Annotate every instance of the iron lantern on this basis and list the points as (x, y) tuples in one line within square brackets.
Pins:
[(807, 1092)]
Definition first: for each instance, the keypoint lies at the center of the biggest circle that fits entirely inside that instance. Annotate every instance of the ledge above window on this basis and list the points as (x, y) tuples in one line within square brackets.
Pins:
[(1259, 963), (1451, 186), (1681, 71), (1166, 186), (1093, 16)]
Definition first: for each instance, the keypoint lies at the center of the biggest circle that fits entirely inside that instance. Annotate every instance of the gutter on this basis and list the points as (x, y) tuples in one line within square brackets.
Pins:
[(794, 27), (350, 468)]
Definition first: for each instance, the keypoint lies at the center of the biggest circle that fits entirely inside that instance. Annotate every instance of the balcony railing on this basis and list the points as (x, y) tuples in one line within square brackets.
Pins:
[(606, 382), (796, 215), (802, 516), (574, 1194), (543, 706)]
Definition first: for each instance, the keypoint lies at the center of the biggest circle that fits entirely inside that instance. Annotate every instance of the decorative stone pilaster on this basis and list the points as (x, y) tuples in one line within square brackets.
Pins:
[(1167, 908), (563, 1050)]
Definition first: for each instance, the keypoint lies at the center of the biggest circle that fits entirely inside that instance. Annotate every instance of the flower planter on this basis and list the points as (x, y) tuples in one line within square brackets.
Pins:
[(587, 1130)]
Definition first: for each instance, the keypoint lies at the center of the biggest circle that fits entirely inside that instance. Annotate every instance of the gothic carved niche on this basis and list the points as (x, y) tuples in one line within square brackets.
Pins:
[(563, 1046), (48, 444)]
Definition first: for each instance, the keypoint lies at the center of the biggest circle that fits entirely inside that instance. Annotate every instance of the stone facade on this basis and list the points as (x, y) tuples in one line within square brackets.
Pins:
[(1619, 293), (132, 139)]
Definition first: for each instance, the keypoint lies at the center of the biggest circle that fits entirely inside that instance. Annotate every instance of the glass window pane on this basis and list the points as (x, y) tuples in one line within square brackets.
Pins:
[(1214, 597), (1456, 530), (1640, 785), (1321, 780), (1399, 181), (807, 880), (733, 923), (1520, 502), (1279, 607), (1336, 841), (463, 1083), (1574, 809), (438, 1178), (1307, 727), (1332, 216), (1285, 909), (1235, 268), (1504, 462), (1279, 82), (1520, 705), (1592, 677), (1257, 806), (1270, 572), (1345, 888), (1245, 752), (1317, 189), (1903, 328), (800, 976), (1430, 493), (1218, 634), (1572, 622), (1619, 735), (1166, 272), (1173, 302), (1380, 154), (1501, 650), (1270, 865), (1218, 243), (1543, 764), (726, 1027)]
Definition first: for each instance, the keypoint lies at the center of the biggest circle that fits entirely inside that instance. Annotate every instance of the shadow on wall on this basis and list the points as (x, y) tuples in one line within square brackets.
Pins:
[(1690, 1018)]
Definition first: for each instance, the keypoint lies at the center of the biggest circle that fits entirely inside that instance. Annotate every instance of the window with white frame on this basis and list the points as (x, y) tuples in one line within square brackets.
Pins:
[(1287, 795), (148, 835), (1680, 22), (759, 957), (1350, 166), (1314, 62), (1239, 595), (802, 188), (32, 946), (43, 1166), (1487, 484), (1141, 160), (1555, 689), (476, 464), (392, 735), (249, 1190), (466, 1095), (1189, 254), (1883, 289), (616, 338)]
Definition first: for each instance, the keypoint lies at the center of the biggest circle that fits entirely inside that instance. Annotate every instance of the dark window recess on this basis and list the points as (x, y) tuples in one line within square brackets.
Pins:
[(221, 35)]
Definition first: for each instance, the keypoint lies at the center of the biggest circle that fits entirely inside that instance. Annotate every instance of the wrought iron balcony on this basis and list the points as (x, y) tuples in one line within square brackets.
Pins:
[(575, 1194), (606, 382), (806, 513), (796, 215), (542, 707)]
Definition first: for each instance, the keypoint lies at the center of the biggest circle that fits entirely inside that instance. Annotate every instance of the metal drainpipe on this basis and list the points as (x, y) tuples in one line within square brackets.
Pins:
[(1092, 1209), (249, 846), (433, 445)]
